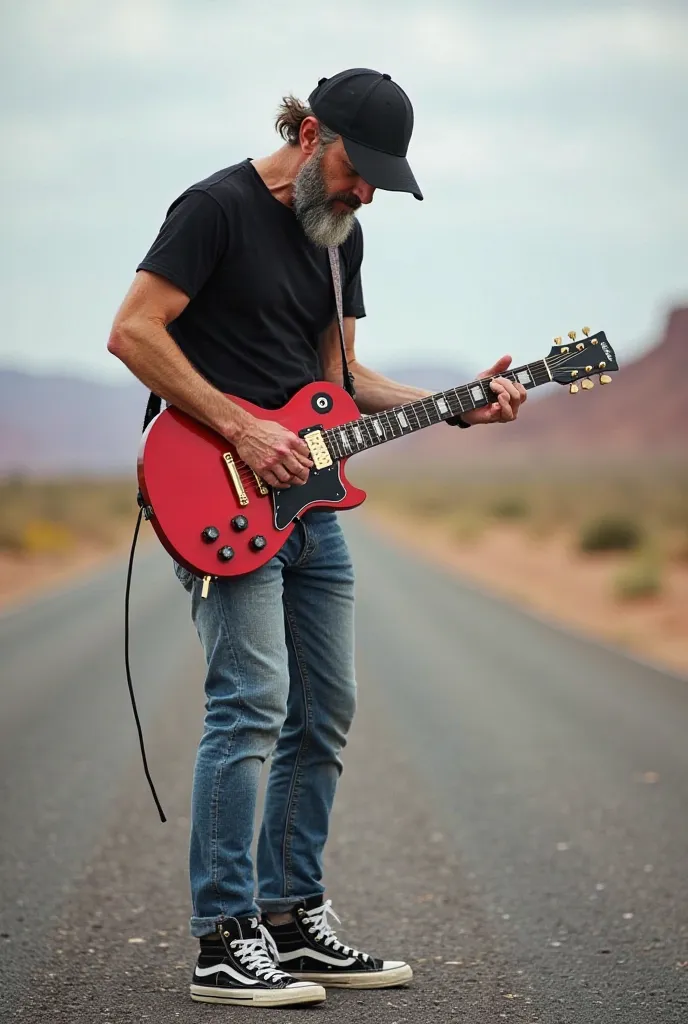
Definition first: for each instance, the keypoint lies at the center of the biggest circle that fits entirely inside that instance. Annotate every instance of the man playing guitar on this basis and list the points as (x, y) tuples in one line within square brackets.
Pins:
[(236, 297)]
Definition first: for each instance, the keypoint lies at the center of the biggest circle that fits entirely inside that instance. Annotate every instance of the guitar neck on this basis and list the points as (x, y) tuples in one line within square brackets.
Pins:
[(372, 430)]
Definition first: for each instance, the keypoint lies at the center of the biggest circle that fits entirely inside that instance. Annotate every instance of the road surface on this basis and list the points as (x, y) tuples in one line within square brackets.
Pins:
[(512, 819)]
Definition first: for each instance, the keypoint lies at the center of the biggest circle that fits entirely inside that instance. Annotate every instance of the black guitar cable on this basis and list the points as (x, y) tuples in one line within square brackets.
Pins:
[(128, 669)]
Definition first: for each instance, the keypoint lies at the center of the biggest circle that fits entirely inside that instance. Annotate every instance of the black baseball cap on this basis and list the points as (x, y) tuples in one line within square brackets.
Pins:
[(374, 117)]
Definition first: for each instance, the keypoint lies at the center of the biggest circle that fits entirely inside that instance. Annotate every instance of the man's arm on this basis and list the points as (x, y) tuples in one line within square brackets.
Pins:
[(139, 337), (375, 392)]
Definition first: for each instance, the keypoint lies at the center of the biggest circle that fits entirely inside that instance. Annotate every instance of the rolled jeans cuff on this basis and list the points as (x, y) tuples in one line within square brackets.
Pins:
[(200, 926), (285, 903)]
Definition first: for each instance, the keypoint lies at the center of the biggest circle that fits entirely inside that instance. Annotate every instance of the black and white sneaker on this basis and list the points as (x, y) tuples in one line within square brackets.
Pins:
[(239, 966), (309, 949)]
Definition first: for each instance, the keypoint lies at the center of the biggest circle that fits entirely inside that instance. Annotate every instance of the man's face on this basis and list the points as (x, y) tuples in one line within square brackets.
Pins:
[(344, 185), (327, 193)]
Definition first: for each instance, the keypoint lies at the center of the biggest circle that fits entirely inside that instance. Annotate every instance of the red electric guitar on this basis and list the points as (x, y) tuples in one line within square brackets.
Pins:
[(216, 517)]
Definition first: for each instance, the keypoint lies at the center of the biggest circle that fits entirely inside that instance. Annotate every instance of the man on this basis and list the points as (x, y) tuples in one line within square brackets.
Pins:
[(235, 298)]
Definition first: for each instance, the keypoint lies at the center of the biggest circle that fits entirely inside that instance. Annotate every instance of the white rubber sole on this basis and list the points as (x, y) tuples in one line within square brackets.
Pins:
[(360, 979), (292, 996)]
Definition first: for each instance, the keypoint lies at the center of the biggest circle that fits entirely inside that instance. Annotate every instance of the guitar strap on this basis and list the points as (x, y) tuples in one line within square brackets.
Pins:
[(155, 403), (152, 409), (333, 253)]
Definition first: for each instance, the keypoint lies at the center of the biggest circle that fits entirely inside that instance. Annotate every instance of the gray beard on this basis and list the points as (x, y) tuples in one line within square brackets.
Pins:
[(323, 225)]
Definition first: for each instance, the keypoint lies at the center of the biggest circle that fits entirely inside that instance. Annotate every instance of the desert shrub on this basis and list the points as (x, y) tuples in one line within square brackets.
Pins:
[(40, 536), (11, 536), (123, 505), (639, 578), (428, 503), (610, 533), (682, 547), (510, 506)]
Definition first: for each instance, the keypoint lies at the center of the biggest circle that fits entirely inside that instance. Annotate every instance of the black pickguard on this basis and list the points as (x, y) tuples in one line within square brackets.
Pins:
[(322, 485)]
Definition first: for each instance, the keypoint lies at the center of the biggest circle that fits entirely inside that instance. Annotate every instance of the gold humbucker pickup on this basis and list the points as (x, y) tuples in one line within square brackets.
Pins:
[(235, 478), (318, 449)]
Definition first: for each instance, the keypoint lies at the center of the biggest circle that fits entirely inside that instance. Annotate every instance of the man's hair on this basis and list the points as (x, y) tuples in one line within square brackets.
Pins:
[(291, 114)]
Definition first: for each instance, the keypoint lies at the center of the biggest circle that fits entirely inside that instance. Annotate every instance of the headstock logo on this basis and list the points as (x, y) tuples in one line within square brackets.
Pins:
[(607, 351)]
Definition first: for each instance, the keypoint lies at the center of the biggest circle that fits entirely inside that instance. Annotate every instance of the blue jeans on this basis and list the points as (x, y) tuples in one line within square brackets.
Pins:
[(280, 653)]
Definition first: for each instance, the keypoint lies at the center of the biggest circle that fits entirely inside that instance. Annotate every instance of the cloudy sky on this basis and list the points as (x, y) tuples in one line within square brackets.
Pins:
[(550, 143)]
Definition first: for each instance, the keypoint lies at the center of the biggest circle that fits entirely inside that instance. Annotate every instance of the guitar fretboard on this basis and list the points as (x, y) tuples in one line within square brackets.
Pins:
[(371, 430)]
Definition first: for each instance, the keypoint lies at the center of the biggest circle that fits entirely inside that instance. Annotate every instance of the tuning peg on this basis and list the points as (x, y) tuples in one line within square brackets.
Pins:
[(587, 384), (557, 341), (586, 331), (572, 335), (573, 389), (605, 378)]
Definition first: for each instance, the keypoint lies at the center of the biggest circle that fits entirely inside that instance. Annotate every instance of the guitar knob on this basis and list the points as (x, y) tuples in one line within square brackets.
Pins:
[(257, 543), (226, 554), (210, 534), (239, 522)]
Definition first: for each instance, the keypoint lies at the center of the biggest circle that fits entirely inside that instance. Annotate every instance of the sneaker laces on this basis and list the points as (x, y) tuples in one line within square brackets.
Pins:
[(259, 954), (320, 927)]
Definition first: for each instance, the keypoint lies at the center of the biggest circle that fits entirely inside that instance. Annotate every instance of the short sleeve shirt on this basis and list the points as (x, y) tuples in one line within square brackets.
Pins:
[(260, 291)]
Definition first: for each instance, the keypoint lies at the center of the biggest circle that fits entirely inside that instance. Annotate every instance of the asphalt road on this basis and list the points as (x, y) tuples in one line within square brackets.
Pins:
[(513, 816)]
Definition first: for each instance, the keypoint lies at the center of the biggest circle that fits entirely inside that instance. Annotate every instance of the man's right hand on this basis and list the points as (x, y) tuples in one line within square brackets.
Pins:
[(277, 455)]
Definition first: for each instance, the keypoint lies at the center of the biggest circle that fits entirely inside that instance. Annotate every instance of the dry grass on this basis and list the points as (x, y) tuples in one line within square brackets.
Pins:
[(639, 510), (56, 516), (603, 552)]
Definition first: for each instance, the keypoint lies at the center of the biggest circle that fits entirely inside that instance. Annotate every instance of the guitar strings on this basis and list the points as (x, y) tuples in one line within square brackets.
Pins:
[(548, 362), (246, 475)]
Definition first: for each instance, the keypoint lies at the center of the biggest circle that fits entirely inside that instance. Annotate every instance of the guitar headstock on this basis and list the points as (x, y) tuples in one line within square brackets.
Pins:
[(575, 361)]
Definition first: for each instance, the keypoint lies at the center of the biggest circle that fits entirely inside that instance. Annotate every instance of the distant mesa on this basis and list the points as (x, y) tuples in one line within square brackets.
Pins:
[(53, 424)]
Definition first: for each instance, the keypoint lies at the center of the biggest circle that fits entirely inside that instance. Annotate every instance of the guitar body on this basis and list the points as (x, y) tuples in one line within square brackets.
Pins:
[(194, 481)]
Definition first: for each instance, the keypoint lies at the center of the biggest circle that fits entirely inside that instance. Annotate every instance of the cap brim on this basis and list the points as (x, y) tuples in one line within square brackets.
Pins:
[(381, 170)]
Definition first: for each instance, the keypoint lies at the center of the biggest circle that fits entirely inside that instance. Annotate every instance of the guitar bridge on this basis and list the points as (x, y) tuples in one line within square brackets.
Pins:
[(235, 478), (260, 484)]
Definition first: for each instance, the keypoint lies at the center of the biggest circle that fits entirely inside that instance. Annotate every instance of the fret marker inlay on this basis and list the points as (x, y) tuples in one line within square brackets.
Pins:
[(345, 439), (442, 406), (403, 422), (377, 427), (524, 377), (358, 435), (477, 393)]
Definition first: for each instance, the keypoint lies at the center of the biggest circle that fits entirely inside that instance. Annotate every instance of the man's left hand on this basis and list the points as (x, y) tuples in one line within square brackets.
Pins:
[(509, 397)]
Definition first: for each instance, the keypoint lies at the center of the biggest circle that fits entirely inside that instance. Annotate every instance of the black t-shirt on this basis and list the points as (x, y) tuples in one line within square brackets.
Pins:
[(260, 292)]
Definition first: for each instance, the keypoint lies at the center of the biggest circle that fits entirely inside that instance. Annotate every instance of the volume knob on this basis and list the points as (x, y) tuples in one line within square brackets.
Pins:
[(210, 534), (239, 522), (226, 554), (258, 542)]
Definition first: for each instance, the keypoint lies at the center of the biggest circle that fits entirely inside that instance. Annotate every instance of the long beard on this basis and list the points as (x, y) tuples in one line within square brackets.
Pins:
[(323, 225)]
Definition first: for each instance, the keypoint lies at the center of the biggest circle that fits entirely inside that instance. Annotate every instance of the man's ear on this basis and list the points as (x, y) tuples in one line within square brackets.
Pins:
[(309, 135)]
